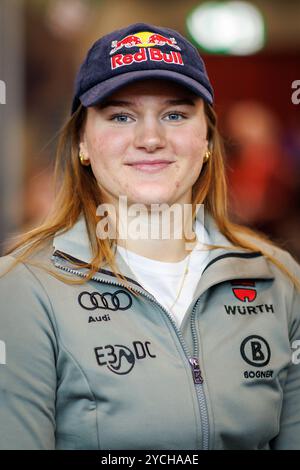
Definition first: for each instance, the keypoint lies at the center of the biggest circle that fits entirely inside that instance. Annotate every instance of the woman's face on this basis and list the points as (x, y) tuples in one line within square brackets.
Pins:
[(142, 123)]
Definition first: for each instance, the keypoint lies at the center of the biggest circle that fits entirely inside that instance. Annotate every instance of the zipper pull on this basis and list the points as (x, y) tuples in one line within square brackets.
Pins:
[(196, 371)]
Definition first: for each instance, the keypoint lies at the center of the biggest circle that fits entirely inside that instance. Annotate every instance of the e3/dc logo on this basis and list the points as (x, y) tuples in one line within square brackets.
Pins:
[(119, 358), (255, 351)]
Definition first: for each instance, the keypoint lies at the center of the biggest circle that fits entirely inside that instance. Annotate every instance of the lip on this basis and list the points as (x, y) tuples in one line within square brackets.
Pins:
[(150, 166)]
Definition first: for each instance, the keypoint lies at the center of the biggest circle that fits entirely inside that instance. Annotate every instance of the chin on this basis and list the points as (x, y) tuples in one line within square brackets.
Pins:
[(147, 201)]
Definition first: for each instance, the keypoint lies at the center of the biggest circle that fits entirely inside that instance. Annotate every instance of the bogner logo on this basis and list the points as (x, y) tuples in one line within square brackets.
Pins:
[(245, 291), (256, 352)]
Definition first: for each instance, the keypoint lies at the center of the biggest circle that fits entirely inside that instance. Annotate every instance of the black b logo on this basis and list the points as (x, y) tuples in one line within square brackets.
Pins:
[(255, 351)]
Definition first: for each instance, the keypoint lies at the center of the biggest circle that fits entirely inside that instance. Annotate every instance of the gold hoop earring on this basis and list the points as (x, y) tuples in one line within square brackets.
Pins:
[(207, 155), (83, 161)]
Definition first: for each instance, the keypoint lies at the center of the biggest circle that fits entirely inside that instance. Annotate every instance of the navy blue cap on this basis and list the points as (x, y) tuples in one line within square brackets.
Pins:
[(139, 51)]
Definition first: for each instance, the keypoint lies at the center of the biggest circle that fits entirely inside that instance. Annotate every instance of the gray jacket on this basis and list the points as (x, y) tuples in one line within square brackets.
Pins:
[(94, 367)]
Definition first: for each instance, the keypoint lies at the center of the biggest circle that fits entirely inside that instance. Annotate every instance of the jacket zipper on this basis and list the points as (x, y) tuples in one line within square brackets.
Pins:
[(192, 360)]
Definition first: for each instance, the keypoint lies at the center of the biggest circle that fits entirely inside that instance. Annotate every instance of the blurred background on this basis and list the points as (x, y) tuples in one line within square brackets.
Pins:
[(252, 53)]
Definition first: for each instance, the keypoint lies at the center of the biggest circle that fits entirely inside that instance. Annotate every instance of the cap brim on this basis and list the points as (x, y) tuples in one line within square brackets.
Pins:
[(102, 90)]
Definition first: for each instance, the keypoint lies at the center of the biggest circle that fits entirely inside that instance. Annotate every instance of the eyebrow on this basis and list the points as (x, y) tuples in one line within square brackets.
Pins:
[(115, 103)]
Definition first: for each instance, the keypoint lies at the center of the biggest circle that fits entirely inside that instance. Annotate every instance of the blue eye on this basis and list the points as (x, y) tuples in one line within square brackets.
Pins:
[(120, 118), (175, 116)]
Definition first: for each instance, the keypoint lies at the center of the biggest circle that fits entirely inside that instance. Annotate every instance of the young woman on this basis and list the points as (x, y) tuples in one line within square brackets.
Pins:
[(153, 342)]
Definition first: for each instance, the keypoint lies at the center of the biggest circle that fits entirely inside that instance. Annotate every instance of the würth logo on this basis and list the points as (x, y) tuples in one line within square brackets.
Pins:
[(244, 291), (249, 310)]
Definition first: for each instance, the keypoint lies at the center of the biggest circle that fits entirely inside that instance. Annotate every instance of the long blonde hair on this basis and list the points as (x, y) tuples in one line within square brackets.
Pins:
[(79, 193)]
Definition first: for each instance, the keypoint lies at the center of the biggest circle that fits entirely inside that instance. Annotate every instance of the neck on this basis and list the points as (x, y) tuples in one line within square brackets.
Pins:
[(169, 251), (164, 235)]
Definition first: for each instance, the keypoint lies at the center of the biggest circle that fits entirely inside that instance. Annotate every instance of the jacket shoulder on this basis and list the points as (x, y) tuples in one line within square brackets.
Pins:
[(280, 254), (39, 258)]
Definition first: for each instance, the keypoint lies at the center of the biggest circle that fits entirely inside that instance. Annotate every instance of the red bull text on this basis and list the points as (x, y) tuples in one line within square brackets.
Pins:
[(120, 60)]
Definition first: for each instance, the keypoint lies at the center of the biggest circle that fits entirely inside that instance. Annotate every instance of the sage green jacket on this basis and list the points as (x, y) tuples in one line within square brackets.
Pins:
[(94, 367)]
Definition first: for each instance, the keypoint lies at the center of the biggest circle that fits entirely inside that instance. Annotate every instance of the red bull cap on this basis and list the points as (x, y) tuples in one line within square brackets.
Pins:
[(138, 52)]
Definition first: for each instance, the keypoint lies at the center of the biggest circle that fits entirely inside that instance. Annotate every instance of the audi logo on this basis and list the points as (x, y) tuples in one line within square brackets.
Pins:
[(119, 300)]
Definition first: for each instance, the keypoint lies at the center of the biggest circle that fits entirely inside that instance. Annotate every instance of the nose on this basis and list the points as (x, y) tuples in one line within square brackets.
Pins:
[(150, 135)]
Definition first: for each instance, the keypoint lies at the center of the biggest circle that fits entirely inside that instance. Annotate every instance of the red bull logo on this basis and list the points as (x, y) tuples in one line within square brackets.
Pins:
[(129, 41), (143, 39), (119, 60)]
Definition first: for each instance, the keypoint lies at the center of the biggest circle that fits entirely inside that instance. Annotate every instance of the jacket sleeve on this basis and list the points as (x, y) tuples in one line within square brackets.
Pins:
[(27, 361), (289, 435)]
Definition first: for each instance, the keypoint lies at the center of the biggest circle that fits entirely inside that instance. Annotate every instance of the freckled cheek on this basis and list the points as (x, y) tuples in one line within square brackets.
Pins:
[(196, 159), (105, 148), (190, 145), (95, 145), (197, 146)]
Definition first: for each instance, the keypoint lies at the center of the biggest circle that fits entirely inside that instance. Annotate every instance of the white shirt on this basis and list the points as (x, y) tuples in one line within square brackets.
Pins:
[(163, 280)]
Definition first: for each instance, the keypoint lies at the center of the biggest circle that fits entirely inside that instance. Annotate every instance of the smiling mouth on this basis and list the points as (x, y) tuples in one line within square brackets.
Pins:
[(150, 167)]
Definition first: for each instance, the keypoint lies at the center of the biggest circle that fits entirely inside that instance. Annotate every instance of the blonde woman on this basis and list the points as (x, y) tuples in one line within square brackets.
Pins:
[(128, 342)]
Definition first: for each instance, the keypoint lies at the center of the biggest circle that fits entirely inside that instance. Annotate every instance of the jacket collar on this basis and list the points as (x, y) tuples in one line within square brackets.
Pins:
[(75, 241), (223, 264)]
